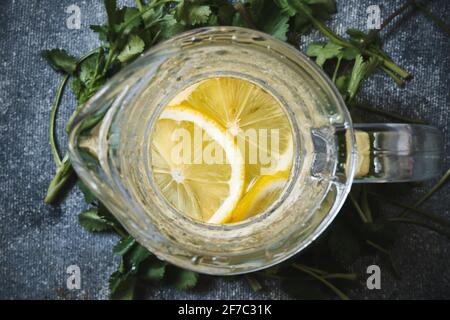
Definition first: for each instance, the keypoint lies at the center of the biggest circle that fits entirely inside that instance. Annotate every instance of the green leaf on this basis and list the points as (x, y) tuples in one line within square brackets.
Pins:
[(285, 7), (349, 53), (63, 174), (60, 60), (102, 32), (112, 13), (153, 271), (124, 246), (91, 221), (277, 26), (77, 88), (322, 8), (88, 195), (170, 27), (134, 47), (361, 70), (137, 255), (198, 15), (87, 70), (356, 34), (185, 279), (342, 84), (130, 22), (191, 13), (323, 52), (107, 215), (122, 286)]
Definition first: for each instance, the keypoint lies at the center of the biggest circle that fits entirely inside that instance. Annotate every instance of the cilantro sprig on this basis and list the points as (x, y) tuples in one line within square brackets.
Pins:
[(360, 229)]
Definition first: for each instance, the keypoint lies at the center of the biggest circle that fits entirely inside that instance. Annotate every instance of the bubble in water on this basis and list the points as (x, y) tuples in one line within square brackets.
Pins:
[(195, 259)]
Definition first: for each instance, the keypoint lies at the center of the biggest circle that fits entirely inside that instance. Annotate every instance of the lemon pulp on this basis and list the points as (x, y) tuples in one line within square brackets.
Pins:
[(222, 150)]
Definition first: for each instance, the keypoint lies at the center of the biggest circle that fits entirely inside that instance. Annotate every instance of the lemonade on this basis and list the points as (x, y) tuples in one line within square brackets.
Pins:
[(222, 150)]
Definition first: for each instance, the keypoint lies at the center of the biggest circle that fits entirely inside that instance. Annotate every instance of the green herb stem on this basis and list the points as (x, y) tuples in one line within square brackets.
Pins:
[(359, 210), (365, 207), (119, 231), (338, 292), (53, 113), (140, 14), (253, 282), (378, 247), (391, 115), (442, 181), (63, 174), (386, 253), (246, 16), (139, 5), (326, 31), (394, 15), (431, 16), (341, 276), (79, 107), (336, 69), (64, 168), (399, 81), (315, 270), (420, 224), (429, 215)]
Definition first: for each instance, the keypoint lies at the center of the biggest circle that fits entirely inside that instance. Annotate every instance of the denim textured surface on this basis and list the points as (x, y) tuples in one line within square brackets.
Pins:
[(38, 242)]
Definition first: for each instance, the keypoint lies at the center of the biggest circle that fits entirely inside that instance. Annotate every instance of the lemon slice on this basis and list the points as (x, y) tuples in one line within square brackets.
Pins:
[(205, 191), (264, 191), (246, 111)]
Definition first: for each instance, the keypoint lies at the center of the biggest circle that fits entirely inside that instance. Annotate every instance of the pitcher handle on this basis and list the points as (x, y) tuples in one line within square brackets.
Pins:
[(397, 152)]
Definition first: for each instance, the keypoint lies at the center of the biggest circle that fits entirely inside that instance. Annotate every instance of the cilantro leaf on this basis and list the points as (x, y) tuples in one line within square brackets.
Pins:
[(278, 26), (322, 8), (87, 70), (169, 27), (286, 7), (129, 20), (323, 52), (102, 32), (198, 15), (124, 245), (122, 286), (91, 221), (319, 9), (137, 255), (108, 216), (154, 271), (134, 47), (361, 70), (112, 13), (60, 60), (190, 13), (88, 195), (185, 279)]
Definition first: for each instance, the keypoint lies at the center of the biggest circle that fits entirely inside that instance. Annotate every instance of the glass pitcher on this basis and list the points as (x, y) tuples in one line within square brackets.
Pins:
[(109, 150)]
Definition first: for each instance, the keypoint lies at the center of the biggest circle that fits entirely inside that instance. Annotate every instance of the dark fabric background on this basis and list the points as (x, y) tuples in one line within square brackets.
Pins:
[(38, 241)]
